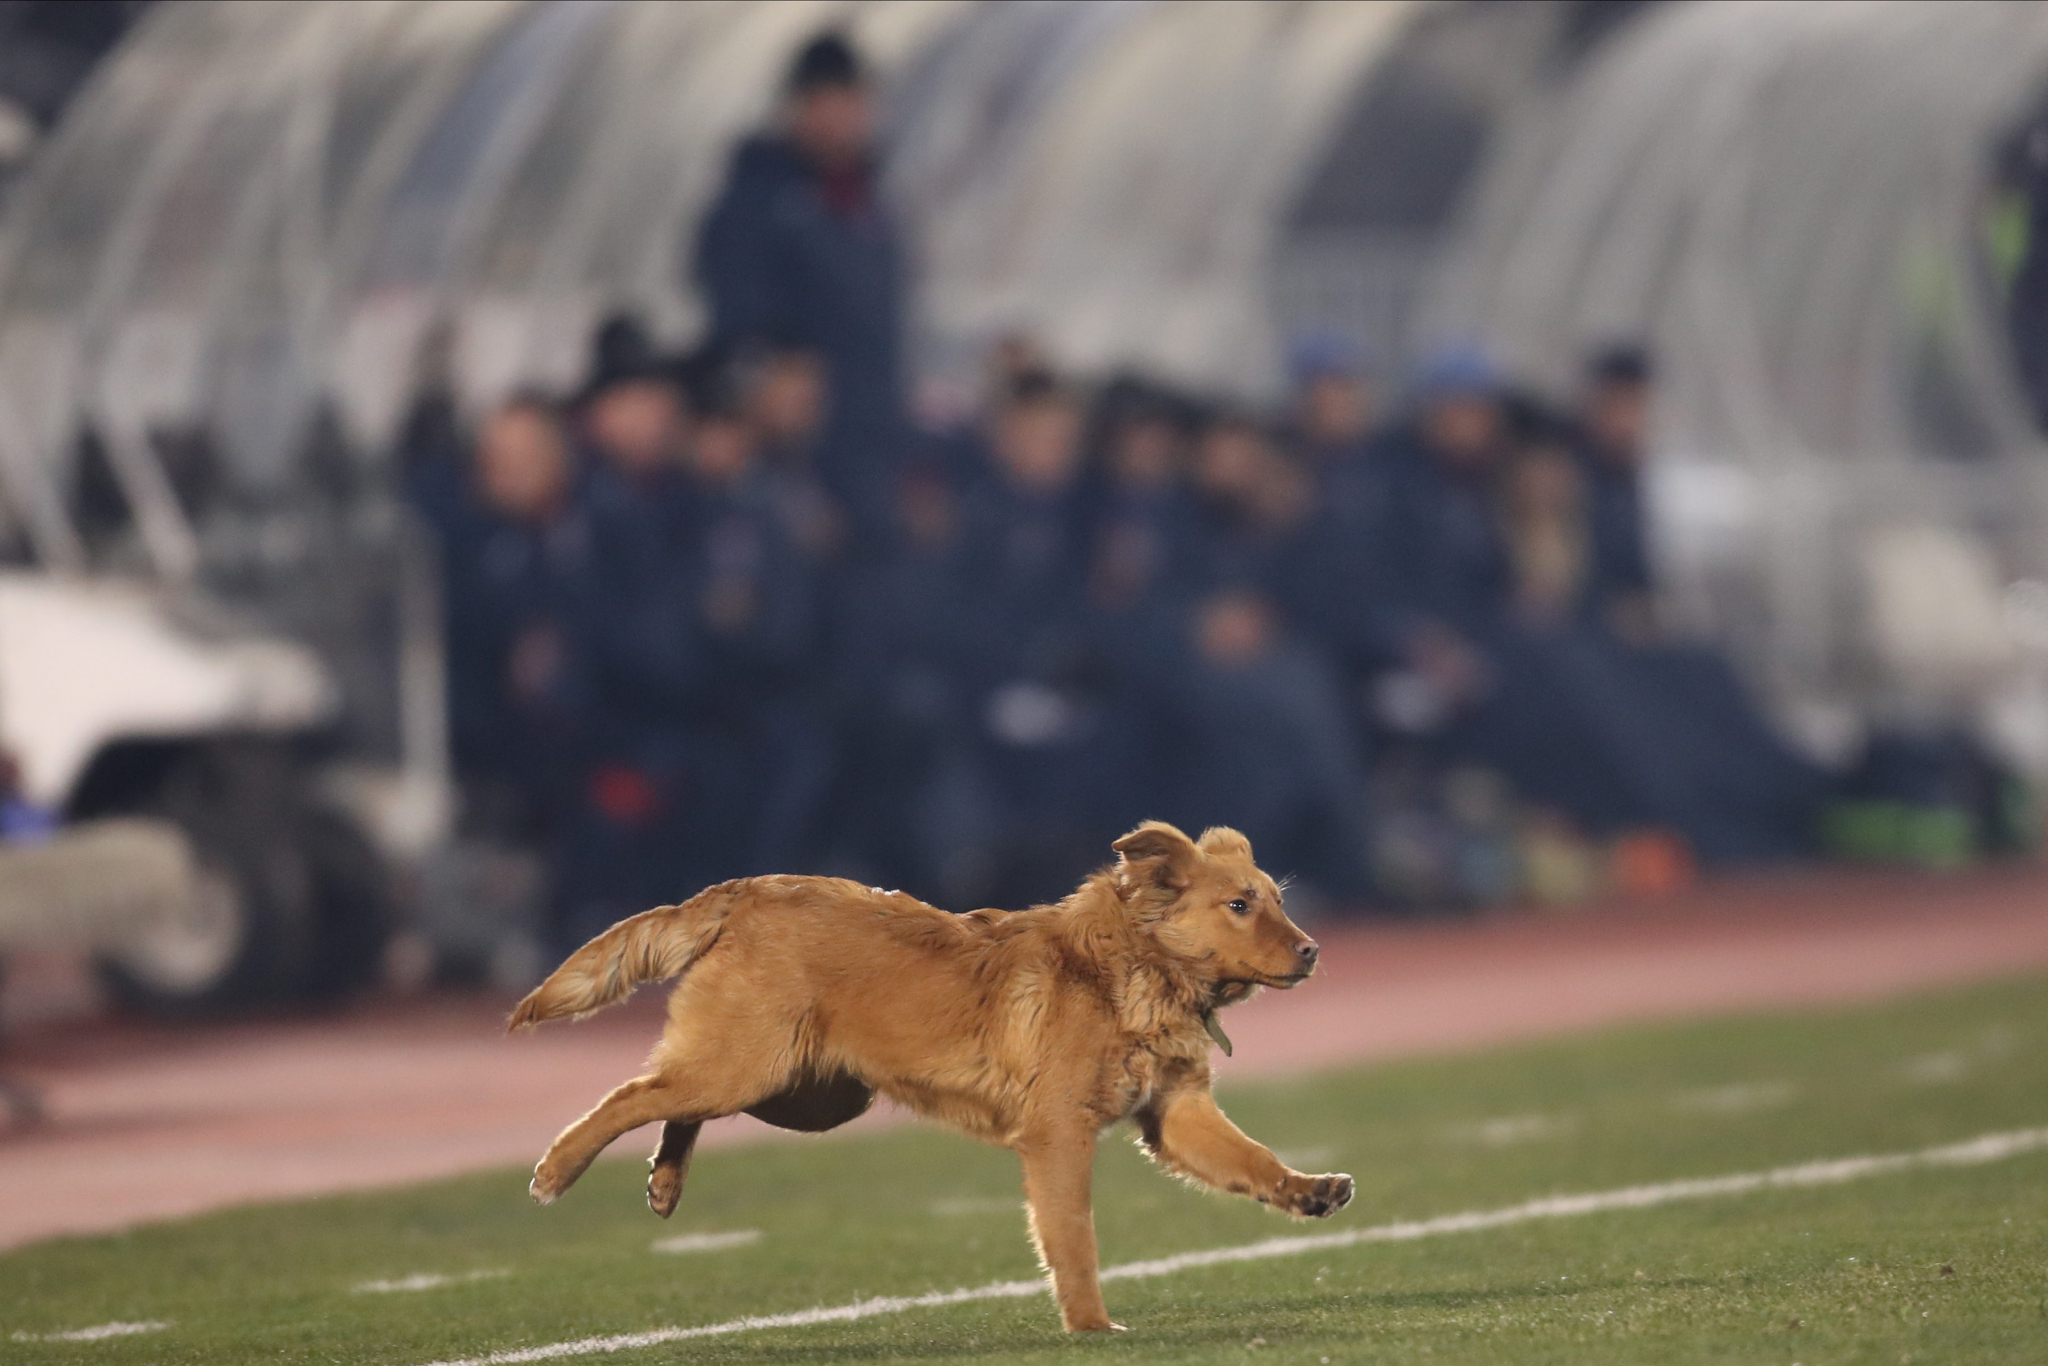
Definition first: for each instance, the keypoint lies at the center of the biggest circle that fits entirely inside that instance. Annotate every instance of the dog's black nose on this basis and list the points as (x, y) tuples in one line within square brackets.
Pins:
[(1307, 950)]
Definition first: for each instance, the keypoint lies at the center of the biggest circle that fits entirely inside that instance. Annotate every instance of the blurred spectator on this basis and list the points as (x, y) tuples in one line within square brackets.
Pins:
[(1255, 512), (912, 644), (1260, 738), (786, 400), (1143, 521), (616, 849), (1472, 537), (514, 567), (1052, 769), (1257, 738), (1334, 401), (763, 759), (1673, 719), (799, 251), (1548, 539), (1026, 517), (634, 423), (634, 420), (1390, 654), (1448, 570), (429, 449), (1615, 429)]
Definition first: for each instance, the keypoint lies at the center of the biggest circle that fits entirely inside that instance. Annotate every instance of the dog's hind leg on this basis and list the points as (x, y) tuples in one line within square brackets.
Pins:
[(670, 1165), (640, 1101), (718, 1064), (1058, 1173)]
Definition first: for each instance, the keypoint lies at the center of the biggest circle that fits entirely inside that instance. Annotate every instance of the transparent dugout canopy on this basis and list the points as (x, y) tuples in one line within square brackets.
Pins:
[(260, 209), (261, 206), (1789, 204)]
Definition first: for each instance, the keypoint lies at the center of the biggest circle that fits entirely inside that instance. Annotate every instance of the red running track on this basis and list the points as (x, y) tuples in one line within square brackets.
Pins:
[(153, 1123)]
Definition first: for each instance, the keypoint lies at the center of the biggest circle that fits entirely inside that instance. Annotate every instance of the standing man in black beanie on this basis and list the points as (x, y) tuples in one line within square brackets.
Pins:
[(798, 252)]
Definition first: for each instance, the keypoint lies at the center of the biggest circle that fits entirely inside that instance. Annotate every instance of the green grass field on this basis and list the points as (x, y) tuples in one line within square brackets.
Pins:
[(1923, 1265)]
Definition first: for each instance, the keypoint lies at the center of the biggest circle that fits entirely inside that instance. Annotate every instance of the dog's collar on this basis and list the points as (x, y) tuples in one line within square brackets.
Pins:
[(1214, 1025)]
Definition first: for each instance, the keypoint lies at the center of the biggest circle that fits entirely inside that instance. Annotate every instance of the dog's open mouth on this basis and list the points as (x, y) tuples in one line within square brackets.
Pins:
[(1287, 983)]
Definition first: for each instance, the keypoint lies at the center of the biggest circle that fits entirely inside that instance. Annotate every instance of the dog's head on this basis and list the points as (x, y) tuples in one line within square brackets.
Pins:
[(1211, 907)]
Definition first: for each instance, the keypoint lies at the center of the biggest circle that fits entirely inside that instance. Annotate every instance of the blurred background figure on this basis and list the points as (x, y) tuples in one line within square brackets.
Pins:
[(799, 252), (1050, 767), (1614, 441), (515, 567), (1335, 403)]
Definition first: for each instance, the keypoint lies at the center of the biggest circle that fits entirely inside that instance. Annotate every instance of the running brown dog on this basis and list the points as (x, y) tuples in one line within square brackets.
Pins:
[(803, 996)]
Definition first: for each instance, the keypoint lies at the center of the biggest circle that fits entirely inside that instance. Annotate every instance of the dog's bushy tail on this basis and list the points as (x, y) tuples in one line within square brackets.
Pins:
[(647, 947)]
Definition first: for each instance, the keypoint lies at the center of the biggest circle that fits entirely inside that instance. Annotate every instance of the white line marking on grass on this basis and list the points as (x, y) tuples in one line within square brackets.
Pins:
[(426, 1280), (1512, 1129), (1997, 1041), (94, 1333), (1736, 1098), (1972, 1152), (977, 1204), (1936, 1069), (708, 1242)]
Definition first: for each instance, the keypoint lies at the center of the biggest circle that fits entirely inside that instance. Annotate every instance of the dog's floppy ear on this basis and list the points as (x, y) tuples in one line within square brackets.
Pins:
[(1157, 851), (1224, 842)]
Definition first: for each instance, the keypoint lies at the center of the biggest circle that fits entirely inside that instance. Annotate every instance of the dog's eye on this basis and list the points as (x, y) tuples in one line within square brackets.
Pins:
[(1240, 906)]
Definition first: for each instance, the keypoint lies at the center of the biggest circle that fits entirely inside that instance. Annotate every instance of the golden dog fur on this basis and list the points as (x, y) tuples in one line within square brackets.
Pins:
[(1034, 1030)]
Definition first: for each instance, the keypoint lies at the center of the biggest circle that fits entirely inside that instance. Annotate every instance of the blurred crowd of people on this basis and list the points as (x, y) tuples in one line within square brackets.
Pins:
[(736, 614)]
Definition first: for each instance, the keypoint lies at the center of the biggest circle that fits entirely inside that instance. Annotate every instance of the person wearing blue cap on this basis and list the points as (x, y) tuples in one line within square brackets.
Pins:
[(1332, 437), (1445, 560), (1333, 398), (1456, 673)]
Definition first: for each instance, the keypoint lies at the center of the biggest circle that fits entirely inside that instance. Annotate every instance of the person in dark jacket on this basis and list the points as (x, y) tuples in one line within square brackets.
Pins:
[(787, 400), (634, 425), (1676, 721), (1141, 533), (1467, 682), (1614, 434), (1622, 734), (525, 709), (430, 452), (1047, 767), (799, 251), (614, 854), (755, 597), (912, 650), (514, 571), (1448, 570), (1334, 402), (705, 637), (1260, 738)]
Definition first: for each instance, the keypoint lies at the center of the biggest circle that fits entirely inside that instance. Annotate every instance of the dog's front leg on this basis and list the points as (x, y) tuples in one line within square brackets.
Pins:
[(1059, 1173), (1189, 1133)]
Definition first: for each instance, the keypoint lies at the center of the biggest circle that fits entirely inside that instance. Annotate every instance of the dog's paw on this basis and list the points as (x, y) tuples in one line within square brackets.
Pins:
[(664, 1189), (545, 1186), (1316, 1197), (1094, 1325)]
